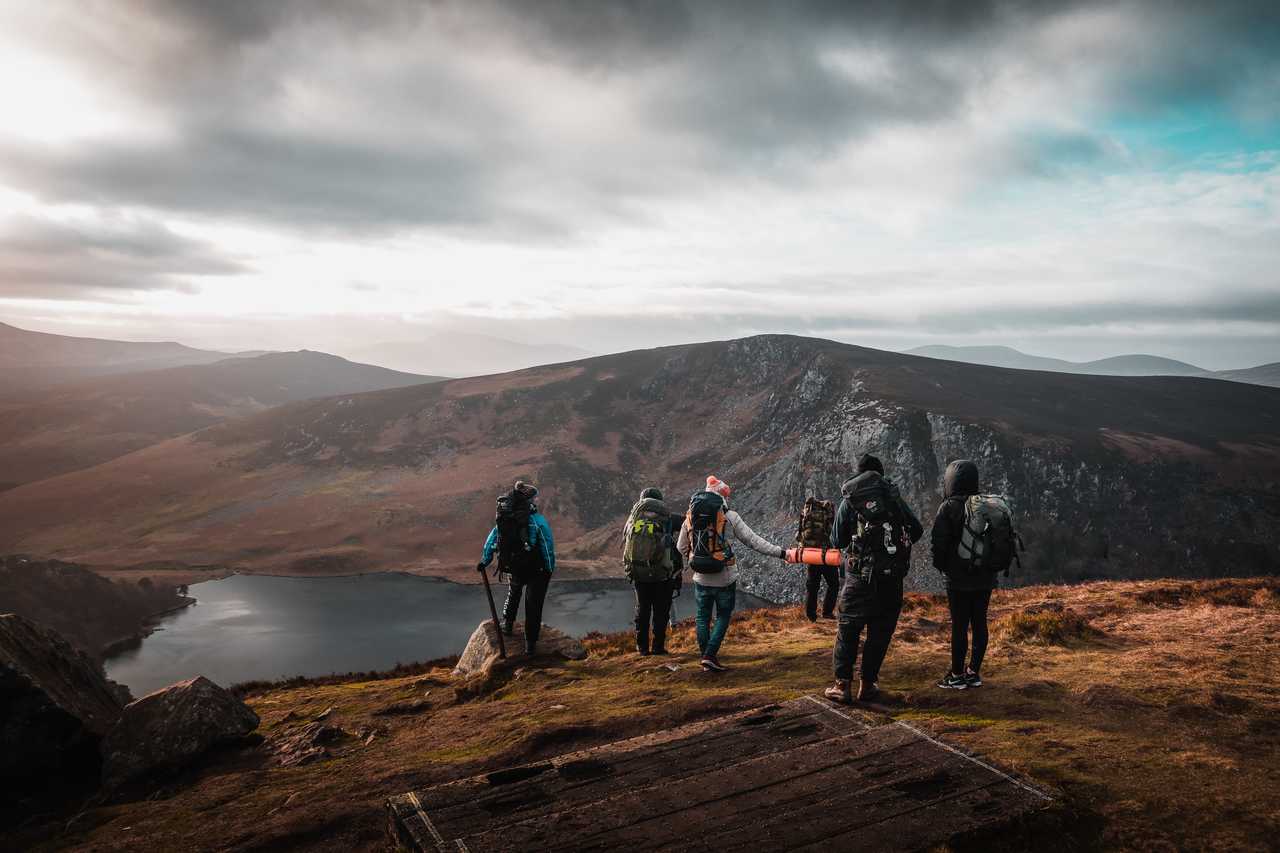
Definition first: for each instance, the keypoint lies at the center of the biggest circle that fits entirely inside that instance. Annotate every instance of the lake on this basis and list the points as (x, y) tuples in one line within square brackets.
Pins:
[(250, 627)]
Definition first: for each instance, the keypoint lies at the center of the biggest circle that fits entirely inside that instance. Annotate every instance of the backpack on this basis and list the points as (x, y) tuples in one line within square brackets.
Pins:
[(816, 520), (709, 553), (646, 547), (517, 556), (988, 538), (881, 546)]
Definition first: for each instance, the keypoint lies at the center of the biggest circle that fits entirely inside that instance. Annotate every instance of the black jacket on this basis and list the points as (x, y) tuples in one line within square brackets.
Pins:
[(846, 524), (960, 481)]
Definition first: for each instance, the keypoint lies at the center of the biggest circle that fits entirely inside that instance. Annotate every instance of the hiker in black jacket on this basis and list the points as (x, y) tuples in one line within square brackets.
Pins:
[(968, 592), (871, 596)]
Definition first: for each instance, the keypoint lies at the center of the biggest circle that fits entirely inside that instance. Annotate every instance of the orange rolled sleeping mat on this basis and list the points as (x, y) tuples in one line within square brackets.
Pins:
[(815, 556)]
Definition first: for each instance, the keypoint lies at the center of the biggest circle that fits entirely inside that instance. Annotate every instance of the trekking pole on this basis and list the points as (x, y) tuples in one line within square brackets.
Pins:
[(493, 611)]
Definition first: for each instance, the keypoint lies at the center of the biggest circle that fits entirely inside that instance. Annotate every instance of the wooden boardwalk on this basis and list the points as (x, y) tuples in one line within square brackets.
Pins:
[(803, 775)]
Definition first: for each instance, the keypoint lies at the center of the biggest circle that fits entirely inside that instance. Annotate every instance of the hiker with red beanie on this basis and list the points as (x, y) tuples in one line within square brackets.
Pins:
[(704, 544)]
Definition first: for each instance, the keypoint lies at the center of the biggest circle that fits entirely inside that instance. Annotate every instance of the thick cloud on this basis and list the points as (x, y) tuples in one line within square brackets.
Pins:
[(60, 260)]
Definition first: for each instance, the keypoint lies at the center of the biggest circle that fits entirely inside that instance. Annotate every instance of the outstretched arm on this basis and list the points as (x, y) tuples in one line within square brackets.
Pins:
[(744, 534)]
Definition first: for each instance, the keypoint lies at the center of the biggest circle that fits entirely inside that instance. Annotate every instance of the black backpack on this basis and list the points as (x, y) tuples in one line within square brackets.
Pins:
[(709, 552), (517, 556), (881, 547)]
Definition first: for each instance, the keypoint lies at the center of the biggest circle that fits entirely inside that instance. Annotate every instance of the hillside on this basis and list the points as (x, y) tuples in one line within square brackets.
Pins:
[(38, 359), (47, 432), (405, 479), (1148, 709), (1263, 374), (88, 610)]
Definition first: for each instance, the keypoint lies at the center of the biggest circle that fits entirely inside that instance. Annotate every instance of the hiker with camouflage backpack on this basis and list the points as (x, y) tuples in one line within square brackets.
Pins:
[(814, 531), (704, 544), (653, 565), (973, 540), (521, 539), (877, 529)]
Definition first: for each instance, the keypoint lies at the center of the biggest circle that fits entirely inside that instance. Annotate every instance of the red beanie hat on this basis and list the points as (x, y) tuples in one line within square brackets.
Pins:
[(715, 484)]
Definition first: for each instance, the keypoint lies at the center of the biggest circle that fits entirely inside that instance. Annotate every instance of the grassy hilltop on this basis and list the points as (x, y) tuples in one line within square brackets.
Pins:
[(1152, 709)]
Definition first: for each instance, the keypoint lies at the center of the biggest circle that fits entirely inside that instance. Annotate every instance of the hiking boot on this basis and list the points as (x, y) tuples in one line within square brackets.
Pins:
[(711, 664), (508, 627), (530, 650), (643, 652), (659, 650), (972, 678), (828, 616), (868, 691), (840, 692), (951, 681)]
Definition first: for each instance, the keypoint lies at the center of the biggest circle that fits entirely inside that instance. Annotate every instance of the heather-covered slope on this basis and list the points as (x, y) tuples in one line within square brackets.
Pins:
[(1113, 476), (77, 425)]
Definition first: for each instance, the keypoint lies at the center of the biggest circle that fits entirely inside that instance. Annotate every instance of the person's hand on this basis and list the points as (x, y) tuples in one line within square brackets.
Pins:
[(480, 567)]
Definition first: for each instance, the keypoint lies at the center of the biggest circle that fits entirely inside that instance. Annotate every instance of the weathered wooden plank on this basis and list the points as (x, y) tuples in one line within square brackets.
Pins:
[(607, 818), (800, 775), (600, 773)]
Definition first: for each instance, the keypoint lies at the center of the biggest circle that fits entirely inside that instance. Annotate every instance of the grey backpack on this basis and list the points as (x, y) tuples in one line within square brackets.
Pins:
[(988, 541)]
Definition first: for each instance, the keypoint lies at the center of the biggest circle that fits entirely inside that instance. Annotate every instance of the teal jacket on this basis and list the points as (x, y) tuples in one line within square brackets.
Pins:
[(539, 536)]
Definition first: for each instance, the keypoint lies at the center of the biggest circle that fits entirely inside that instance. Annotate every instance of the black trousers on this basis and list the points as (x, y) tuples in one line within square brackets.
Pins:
[(534, 589), (873, 605), (968, 611), (653, 610), (816, 575)]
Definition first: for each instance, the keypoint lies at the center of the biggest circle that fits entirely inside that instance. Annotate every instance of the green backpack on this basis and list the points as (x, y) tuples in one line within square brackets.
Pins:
[(646, 546), (988, 541)]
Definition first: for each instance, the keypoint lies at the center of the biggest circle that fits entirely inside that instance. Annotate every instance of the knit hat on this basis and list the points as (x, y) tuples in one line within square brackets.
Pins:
[(651, 492), (529, 490), (720, 487), (867, 462)]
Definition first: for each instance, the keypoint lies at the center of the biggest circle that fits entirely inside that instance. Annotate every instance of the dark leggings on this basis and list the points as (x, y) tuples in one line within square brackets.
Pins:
[(968, 608), (534, 589)]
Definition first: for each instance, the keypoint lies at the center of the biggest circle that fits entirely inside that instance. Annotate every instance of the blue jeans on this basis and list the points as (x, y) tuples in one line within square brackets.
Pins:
[(722, 599)]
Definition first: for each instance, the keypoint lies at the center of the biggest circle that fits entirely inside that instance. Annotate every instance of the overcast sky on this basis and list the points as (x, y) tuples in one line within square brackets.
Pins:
[(1075, 180)]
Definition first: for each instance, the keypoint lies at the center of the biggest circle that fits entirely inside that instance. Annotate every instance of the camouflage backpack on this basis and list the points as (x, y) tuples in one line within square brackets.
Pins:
[(816, 520)]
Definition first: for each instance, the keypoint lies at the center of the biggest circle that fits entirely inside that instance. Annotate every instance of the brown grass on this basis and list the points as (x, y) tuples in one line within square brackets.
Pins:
[(1157, 733)]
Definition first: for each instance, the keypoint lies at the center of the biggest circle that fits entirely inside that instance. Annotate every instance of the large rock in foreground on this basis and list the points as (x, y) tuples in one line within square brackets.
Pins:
[(55, 705), (167, 729), (481, 654)]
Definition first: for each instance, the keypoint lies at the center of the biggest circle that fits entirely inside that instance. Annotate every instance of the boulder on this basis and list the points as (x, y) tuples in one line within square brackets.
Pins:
[(481, 654), (167, 729), (55, 704)]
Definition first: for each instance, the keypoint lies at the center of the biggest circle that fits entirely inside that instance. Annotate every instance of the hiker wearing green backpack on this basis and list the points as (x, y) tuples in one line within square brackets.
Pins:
[(653, 565), (814, 531), (972, 541), (704, 544)]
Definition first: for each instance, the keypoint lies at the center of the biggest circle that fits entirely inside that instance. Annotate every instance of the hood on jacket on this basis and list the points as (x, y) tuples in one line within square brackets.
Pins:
[(961, 479), (867, 462), (651, 492)]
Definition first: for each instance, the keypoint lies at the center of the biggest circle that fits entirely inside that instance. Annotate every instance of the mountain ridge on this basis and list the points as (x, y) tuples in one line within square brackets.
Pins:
[(404, 479)]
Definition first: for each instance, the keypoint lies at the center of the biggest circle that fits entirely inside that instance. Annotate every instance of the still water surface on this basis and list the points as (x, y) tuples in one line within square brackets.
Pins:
[(249, 627)]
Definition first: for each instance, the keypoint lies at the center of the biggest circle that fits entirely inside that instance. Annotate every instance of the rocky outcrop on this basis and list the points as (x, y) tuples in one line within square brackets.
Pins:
[(481, 656), (167, 729), (55, 705)]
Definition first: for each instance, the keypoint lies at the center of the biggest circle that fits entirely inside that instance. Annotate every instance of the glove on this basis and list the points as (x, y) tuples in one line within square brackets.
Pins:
[(480, 567)]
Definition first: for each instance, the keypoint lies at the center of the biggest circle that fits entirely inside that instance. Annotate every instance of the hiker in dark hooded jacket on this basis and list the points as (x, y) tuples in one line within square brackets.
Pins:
[(867, 600), (968, 592), (654, 565), (529, 559)]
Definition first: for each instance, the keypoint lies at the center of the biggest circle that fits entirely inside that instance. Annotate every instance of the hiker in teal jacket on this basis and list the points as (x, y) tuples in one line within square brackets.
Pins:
[(527, 554)]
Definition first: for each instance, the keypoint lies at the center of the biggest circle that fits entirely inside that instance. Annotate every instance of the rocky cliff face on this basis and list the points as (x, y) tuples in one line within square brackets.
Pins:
[(1111, 476)]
